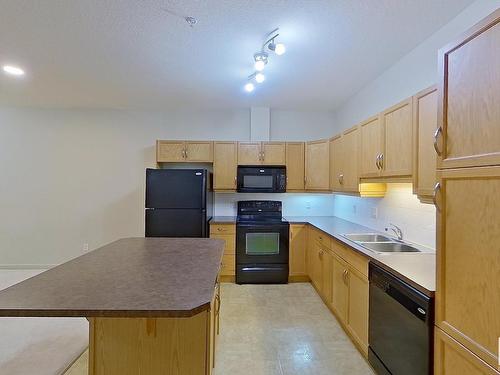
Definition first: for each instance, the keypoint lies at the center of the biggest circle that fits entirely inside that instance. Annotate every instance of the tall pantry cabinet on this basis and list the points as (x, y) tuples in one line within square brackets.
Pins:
[(467, 200)]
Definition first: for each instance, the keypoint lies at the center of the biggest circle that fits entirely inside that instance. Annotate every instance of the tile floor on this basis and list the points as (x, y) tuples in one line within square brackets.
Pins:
[(278, 330)]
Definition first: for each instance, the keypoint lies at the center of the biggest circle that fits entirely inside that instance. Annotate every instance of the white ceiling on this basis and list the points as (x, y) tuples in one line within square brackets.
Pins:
[(133, 54)]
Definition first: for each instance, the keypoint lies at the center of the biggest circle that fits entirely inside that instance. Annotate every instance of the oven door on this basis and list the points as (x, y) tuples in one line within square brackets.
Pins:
[(262, 243), (259, 180)]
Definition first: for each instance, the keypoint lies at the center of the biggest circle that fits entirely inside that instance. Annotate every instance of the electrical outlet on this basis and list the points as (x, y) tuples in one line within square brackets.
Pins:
[(85, 247), (374, 213), (308, 205)]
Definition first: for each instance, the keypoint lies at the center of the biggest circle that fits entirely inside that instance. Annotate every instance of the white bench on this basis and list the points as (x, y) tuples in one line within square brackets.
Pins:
[(38, 346)]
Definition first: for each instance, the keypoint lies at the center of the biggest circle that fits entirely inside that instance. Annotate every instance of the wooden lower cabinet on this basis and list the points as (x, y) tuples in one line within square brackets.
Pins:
[(452, 358), (357, 314), (468, 259), (227, 233), (297, 253), (154, 346), (340, 288)]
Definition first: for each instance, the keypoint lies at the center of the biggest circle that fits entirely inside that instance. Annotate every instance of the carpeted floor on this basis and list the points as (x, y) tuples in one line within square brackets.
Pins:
[(38, 346)]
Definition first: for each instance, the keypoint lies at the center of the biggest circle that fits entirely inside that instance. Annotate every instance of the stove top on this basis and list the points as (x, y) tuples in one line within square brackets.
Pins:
[(260, 211)]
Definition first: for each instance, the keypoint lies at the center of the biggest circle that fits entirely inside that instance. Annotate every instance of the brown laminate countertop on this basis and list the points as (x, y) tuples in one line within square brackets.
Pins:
[(223, 220), (417, 269), (131, 277)]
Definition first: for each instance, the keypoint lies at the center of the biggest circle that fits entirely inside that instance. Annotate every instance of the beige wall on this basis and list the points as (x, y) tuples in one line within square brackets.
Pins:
[(69, 177)]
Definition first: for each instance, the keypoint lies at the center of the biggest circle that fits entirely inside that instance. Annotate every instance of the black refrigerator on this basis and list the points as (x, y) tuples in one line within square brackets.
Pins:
[(179, 202)]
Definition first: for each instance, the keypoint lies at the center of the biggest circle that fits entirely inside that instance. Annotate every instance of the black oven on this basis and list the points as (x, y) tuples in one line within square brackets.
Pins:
[(262, 238), (261, 179)]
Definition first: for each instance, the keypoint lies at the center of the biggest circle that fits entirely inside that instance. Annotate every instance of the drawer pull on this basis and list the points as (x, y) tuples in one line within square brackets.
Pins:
[(436, 136)]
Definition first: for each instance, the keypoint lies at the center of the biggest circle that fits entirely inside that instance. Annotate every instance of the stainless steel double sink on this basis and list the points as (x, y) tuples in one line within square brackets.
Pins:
[(380, 244)]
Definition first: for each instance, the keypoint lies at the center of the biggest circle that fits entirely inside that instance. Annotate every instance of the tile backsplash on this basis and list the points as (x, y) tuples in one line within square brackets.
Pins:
[(294, 204), (399, 206)]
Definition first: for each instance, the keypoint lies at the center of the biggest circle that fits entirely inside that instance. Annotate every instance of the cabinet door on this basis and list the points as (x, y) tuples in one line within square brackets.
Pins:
[(317, 165), (327, 276), (350, 153), (451, 358), (225, 164), (298, 243), (397, 159), (468, 258), (357, 317), (371, 146), (339, 288), (295, 166), (274, 153), (424, 158), (336, 163), (249, 153), (318, 269), (469, 97), (201, 151), (169, 151)]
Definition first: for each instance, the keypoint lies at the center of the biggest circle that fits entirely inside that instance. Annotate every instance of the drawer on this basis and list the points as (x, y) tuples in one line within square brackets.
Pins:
[(321, 238), (223, 228), (230, 242), (228, 265), (357, 261)]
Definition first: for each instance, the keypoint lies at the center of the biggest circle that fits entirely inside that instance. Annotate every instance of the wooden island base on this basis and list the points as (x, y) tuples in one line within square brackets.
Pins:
[(153, 346)]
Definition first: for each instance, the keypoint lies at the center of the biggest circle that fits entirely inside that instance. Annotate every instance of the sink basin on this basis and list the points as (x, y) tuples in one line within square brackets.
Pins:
[(390, 247), (367, 237)]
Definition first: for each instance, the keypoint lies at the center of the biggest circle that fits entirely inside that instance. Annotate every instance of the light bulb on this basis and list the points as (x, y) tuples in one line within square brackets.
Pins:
[(13, 70), (259, 65), (280, 49), (259, 78), (249, 87)]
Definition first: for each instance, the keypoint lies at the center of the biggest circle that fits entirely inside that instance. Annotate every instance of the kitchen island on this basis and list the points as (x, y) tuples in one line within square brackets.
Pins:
[(152, 303)]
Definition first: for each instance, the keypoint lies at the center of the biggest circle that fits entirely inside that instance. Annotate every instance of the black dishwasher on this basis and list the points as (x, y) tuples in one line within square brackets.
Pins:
[(401, 326)]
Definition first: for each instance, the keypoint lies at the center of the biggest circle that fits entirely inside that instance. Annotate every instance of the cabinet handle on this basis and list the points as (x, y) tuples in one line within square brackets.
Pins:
[(437, 189), (377, 161), (382, 161), (263, 156), (234, 180), (436, 136), (220, 229), (341, 178), (344, 276)]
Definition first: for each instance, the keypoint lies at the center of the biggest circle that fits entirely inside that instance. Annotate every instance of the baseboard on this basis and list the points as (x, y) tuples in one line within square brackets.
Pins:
[(298, 279), (227, 279), (26, 266)]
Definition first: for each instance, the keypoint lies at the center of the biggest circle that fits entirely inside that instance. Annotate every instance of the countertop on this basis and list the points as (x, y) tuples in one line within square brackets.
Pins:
[(131, 277), (416, 269)]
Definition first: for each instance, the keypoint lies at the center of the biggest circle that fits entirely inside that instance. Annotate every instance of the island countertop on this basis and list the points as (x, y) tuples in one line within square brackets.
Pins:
[(131, 277)]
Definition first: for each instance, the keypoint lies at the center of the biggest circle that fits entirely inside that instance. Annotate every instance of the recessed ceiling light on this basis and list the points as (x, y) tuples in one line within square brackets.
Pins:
[(13, 70), (249, 87)]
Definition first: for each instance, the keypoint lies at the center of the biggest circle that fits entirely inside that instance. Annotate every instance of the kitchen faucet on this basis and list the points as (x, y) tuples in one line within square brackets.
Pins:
[(397, 230)]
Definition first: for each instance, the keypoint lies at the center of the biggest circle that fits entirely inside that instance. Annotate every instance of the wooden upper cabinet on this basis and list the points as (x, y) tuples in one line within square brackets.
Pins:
[(336, 163), (371, 147), (469, 97), (295, 166), (261, 153), (169, 151), (225, 165), (397, 157), (249, 153), (424, 156), (468, 258), (199, 151), (350, 153), (317, 165), (184, 151), (273, 153)]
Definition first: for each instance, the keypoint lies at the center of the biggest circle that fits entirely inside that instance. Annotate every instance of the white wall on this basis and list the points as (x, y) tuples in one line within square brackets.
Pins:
[(301, 125), (412, 73), (69, 177), (399, 206), (294, 204)]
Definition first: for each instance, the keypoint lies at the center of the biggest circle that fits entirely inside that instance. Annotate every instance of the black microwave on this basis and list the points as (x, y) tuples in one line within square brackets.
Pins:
[(261, 179)]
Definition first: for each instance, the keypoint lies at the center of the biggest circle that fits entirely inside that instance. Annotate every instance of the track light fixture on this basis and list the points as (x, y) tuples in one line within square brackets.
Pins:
[(261, 58)]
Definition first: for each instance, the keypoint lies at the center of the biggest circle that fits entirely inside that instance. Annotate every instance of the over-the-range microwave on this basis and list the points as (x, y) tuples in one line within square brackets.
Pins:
[(261, 179)]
